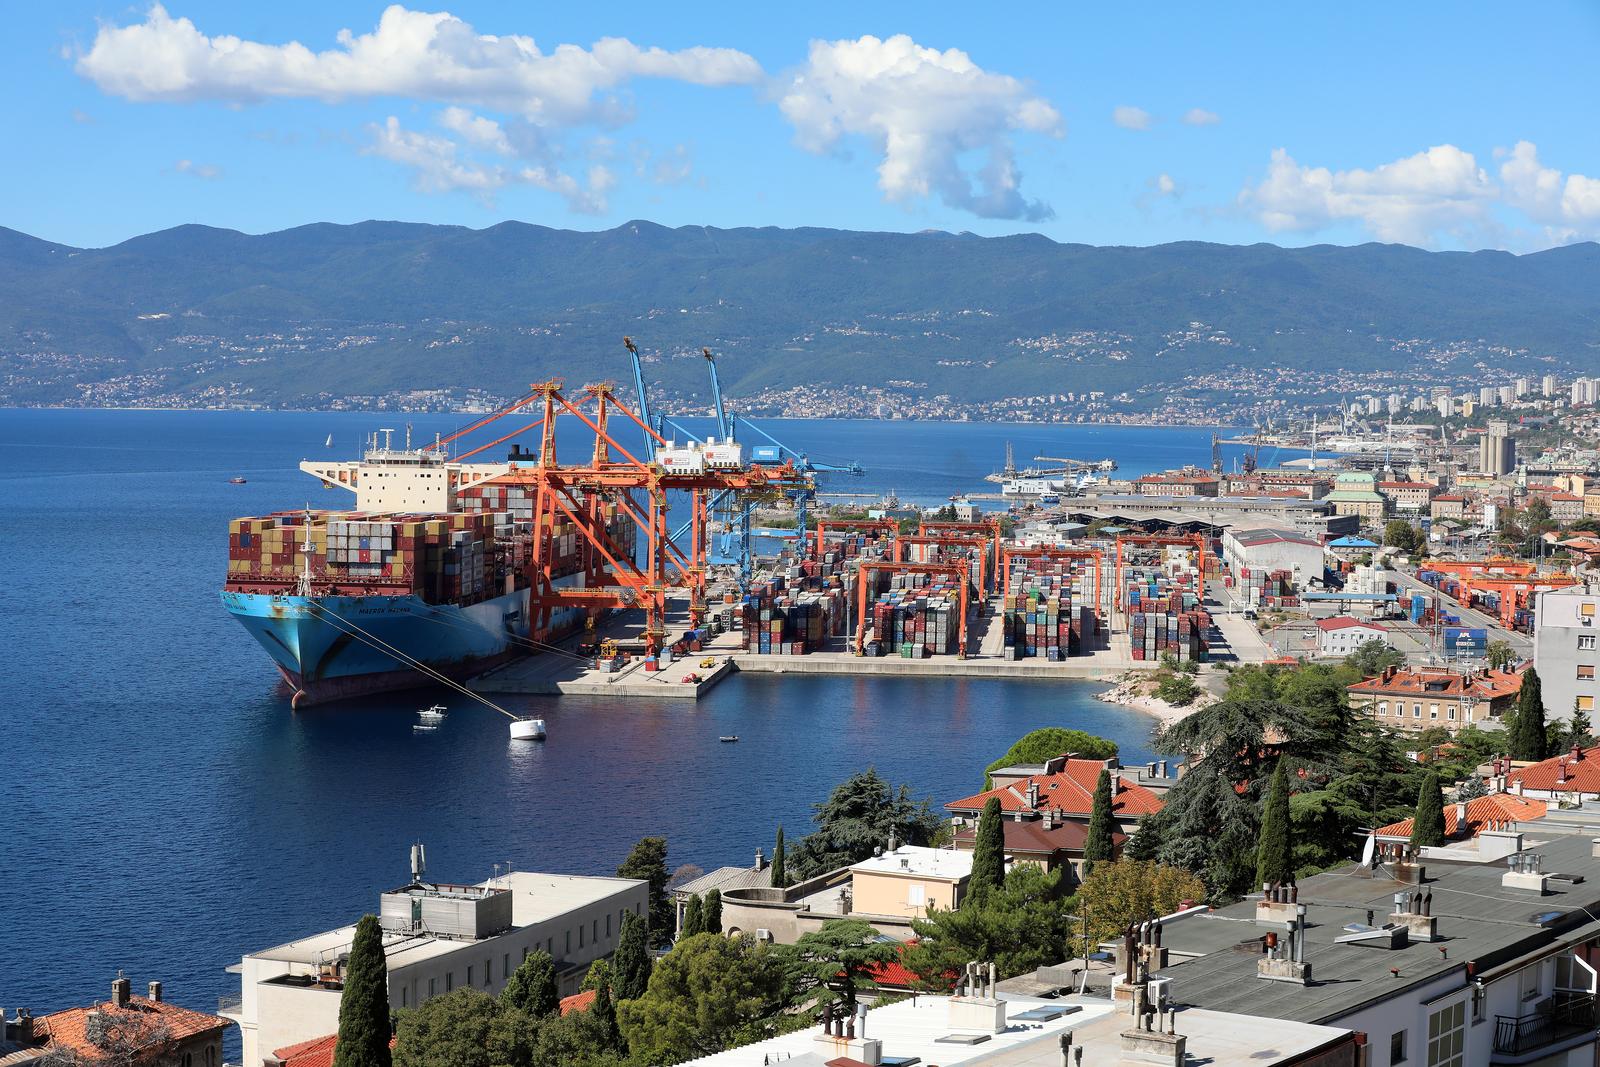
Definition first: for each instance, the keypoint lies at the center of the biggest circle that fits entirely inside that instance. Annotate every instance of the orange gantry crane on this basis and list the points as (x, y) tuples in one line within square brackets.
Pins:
[(617, 576), (885, 526), (987, 528), (1196, 541), (978, 547), (956, 571)]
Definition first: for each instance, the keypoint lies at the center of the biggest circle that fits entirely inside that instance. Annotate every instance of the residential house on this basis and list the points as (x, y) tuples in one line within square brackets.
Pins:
[(125, 1029), (1407, 498), (1423, 697), (1046, 809), (1570, 776), (1565, 508), (722, 879), (1465, 820)]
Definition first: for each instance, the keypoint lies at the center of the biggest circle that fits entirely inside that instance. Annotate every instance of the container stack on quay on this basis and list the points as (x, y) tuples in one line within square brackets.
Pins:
[(1164, 612), (1267, 589), (840, 552), (782, 619), (1048, 610), (914, 616)]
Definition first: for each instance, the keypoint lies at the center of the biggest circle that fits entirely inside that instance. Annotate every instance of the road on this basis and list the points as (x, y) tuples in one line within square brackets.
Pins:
[(1521, 644)]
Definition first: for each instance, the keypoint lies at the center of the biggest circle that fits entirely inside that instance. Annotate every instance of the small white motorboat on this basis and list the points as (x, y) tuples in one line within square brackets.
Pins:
[(527, 728), (433, 715)]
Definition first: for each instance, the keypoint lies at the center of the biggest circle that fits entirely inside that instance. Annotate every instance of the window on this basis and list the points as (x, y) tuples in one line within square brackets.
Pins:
[(1433, 711), (488, 972), (432, 986), (1586, 642), (403, 992), (1586, 703), (1452, 711), (608, 924), (449, 981), (1528, 983), (569, 942), (505, 965), (469, 974), (1383, 707), (580, 937), (1397, 1047), (916, 895), (1416, 711), (1447, 1036), (594, 931), (1586, 610), (1586, 672)]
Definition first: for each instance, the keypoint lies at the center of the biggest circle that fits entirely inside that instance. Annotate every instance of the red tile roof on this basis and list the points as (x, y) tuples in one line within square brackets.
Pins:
[(69, 1029), (1030, 836), (1563, 773), (318, 1052), (1344, 622), (577, 1002), (1483, 813), (1071, 790), (1485, 685)]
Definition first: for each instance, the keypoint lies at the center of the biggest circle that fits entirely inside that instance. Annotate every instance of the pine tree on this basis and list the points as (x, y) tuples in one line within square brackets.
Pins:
[(779, 877), (1274, 853), (648, 862), (711, 914), (693, 919), (630, 965), (1099, 846), (988, 852), (364, 1004), (532, 987), (1427, 824), (1528, 740)]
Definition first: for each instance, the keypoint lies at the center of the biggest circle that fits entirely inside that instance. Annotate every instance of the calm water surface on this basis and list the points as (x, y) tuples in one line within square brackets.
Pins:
[(163, 811)]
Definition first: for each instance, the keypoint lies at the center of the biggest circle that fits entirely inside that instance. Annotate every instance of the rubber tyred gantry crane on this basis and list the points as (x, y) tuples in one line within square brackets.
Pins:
[(1195, 541)]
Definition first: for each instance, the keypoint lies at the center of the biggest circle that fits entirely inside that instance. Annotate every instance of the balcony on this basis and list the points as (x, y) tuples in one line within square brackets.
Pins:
[(229, 1005), (1562, 1017)]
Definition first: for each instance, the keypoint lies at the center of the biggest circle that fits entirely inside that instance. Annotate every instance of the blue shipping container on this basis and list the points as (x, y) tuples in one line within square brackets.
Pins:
[(1465, 641)]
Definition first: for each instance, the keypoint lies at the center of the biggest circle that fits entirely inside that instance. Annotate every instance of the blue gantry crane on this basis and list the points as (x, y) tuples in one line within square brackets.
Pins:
[(730, 513)]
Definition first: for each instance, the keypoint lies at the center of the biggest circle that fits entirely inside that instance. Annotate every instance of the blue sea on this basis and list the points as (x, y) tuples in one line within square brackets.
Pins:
[(164, 812)]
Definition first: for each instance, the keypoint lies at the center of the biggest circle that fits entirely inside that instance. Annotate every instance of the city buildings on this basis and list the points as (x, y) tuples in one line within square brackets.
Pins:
[(437, 937), (907, 880), (1423, 697), (1566, 651), (1265, 549), (1355, 493), (1497, 451), (1046, 809), (1178, 483)]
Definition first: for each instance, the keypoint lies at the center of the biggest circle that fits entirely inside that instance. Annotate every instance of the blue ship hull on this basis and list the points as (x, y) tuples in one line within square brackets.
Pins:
[(323, 660)]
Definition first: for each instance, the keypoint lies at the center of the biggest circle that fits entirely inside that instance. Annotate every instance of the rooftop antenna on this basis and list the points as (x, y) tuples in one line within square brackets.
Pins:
[(408, 437), (419, 862), (388, 437)]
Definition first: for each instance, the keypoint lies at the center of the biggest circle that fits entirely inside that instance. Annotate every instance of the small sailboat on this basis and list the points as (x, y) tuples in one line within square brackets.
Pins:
[(527, 728), (329, 442)]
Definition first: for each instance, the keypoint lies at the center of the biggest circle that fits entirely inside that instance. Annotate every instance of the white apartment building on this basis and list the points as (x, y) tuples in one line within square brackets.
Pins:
[(1566, 652), (437, 937)]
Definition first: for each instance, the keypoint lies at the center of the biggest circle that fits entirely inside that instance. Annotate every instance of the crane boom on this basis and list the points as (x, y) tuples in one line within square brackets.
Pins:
[(644, 398)]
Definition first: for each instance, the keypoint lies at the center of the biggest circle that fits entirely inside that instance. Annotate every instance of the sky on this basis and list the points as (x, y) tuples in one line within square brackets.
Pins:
[(1443, 125)]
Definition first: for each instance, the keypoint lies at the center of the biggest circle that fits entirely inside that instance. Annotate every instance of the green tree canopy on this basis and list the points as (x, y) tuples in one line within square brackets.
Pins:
[(1274, 854), (859, 817), (450, 1030), (708, 993), (1021, 925), (1427, 826), (630, 964), (1400, 534), (989, 851), (532, 987), (830, 964), (1047, 742), (1372, 657), (1527, 739), (1500, 655), (1209, 830), (1116, 894), (1100, 846), (693, 917), (648, 862), (364, 1003), (712, 912), (780, 873)]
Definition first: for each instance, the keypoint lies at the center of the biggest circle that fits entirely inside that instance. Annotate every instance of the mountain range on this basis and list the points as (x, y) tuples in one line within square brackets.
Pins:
[(316, 315)]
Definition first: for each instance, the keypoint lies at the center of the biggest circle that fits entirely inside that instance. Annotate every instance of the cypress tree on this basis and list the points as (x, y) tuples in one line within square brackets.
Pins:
[(532, 987), (1100, 846), (779, 877), (1427, 824), (1274, 853), (630, 965), (1528, 740), (988, 852), (711, 914), (604, 1011), (693, 919), (364, 1004)]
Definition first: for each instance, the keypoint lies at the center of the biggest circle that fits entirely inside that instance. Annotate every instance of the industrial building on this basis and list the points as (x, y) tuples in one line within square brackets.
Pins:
[(1497, 451), (1264, 549), (1342, 635), (437, 937)]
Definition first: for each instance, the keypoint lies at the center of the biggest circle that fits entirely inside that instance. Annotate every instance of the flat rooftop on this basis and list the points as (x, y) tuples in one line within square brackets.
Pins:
[(920, 861), (910, 1031), (535, 898)]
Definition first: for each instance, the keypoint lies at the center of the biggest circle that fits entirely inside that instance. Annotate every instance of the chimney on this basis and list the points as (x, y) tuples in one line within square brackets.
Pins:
[(1577, 753), (1033, 793), (1461, 816), (23, 1034), (155, 992), (761, 860), (121, 991)]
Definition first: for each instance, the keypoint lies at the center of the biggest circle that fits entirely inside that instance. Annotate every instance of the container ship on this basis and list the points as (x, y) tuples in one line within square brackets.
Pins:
[(429, 573)]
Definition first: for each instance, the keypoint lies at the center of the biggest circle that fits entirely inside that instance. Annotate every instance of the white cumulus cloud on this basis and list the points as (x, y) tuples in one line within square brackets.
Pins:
[(421, 55), (1412, 200), (197, 170), (922, 110), (1199, 116), (1131, 118), (1568, 206), (1165, 186)]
